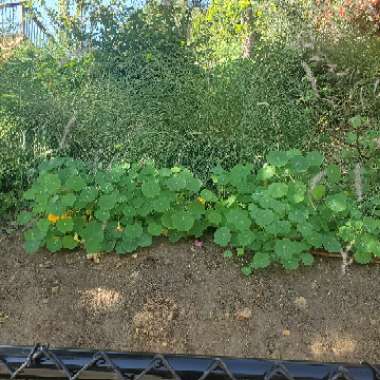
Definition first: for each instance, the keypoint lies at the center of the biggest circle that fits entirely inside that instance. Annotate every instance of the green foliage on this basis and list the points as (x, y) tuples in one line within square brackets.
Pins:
[(169, 85), (276, 217), (143, 93), (117, 209)]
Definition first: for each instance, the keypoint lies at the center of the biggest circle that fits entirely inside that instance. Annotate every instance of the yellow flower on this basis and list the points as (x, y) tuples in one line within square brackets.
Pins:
[(201, 200), (52, 218), (119, 228)]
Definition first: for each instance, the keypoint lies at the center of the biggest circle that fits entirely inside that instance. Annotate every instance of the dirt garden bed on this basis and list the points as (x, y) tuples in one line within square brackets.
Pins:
[(184, 299)]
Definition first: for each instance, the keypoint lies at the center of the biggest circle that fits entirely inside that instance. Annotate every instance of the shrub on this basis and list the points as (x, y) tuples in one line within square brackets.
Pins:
[(276, 215), (170, 110)]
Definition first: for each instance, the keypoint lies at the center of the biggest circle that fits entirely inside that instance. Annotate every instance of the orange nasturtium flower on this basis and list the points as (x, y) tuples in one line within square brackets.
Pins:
[(52, 218), (201, 200)]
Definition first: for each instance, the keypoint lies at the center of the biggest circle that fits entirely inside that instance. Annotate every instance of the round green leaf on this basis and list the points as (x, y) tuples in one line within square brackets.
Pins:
[(29, 195), (299, 164), (245, 238), (197, 209), (183, 221), (165, 172), (298, 215), (333, 174), (154, 229), (307, 259), (214, 217), (68, 200), (238, 219), (337, 202), (279, 228), (228, 254), (314, 159), (87, 196), (24, 217), (145, 240), (108, 201), (266, 172), (277, 190), (151, 188), (175, 236), (331, 243), (43, 225), (75, 183), (262, 217), (93, 231), (222, 236), (54, 243), (109, 245), (34, 234), (278, 158), (102, 215), (93, 245), (372, 225), (285, 248), (133, 231), (208, 196), (362, 257), (318, 192), (247, 270), (356, 121), (128, 211), (166, 220), (32, 246), (65, 225), (296, 192), (290, 264), (68, 242), (50, 183), (162, 203), (261, 260), (193, 184), (177, 182), (369, 243)]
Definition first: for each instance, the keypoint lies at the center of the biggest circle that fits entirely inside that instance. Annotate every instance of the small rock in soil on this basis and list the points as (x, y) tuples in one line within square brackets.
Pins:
[(244, 314), (3, 317), (54, 289), (300, 302)]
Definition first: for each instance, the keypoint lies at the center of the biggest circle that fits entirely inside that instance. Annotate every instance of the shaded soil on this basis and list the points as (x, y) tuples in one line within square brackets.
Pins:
[(188, 300)]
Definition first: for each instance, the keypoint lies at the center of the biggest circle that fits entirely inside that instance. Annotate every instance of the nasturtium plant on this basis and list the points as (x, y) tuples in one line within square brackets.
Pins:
[(279, 213), (222, 236)]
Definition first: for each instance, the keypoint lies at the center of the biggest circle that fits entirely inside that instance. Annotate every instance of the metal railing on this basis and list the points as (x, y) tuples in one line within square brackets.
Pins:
[(18, 21), (42, 362)]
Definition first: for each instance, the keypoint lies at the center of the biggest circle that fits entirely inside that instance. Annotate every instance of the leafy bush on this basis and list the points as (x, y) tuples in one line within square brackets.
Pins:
[(163, 84), (361, 155), (277, 215), (346, 73), (167, 109)]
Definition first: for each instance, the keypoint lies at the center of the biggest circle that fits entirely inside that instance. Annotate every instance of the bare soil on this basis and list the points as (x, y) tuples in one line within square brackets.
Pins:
[(183, 299)]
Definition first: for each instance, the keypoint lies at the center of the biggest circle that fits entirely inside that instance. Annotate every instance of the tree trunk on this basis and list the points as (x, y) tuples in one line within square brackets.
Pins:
[(80, 8), (63, 9), (248, 42)]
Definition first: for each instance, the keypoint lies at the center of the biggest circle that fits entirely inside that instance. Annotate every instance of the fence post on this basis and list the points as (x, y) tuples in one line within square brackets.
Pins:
[(22, 19)]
